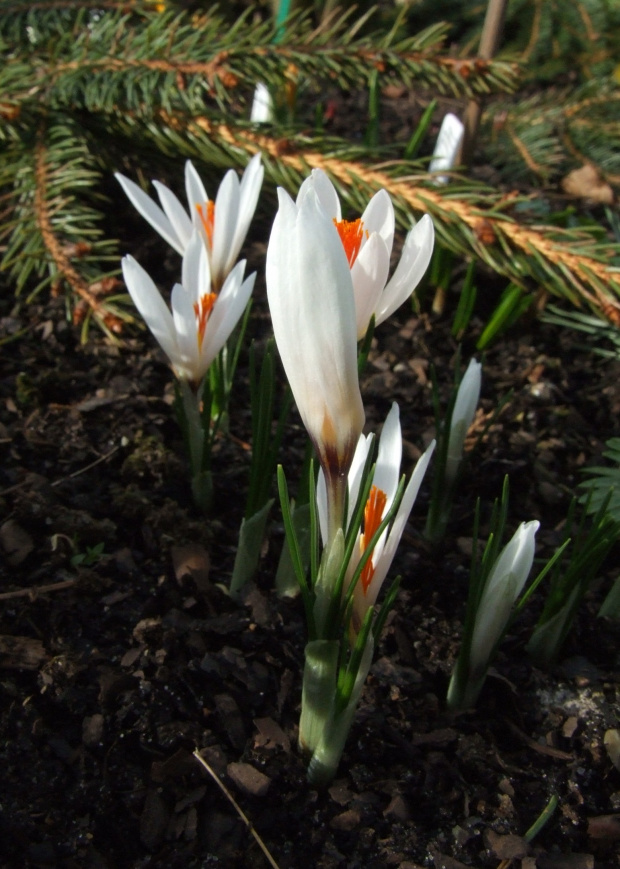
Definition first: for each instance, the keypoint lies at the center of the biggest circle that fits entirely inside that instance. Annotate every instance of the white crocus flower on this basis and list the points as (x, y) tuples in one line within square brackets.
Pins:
[(223, 224), (310, 297), (200, 322), (382, 493), (502, 588), (463, 413), (368, 242)]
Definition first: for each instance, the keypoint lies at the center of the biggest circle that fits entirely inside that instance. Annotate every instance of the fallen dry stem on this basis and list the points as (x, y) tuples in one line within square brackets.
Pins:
[(41, 589), (236, 807), (71, 476)]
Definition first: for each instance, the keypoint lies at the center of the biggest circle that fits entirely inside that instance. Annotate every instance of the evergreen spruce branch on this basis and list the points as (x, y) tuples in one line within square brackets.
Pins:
[(25, 7), (547, 135), (16, 83), (419, 59), (54, 17), (552, 38), (51, 234), (580, 37), (173, 62), (466, 221), (592, 128)]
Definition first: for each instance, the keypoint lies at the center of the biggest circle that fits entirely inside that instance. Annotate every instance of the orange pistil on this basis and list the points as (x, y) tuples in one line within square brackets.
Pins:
[(373, 515), (207, 217), (202, 309), (351, 234)]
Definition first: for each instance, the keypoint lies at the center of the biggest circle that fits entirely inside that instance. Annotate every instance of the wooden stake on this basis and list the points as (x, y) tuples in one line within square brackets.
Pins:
[(489, 43)]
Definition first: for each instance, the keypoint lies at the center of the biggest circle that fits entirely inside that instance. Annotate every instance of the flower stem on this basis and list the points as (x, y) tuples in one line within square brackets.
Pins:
[(198, 443), (337, 488), (334, 731), (318, 691), (462, 694)]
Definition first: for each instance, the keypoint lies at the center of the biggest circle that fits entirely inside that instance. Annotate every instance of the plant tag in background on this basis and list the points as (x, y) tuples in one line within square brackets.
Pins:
[(447, 147), (262, 105)]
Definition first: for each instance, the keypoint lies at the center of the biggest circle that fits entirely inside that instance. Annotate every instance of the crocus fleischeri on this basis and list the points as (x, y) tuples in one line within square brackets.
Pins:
[(221, 223), (310, 295), (200, 321), (382, 493), (492, 609), (502, 588), (315, 292), (368, 242), (463, 413)]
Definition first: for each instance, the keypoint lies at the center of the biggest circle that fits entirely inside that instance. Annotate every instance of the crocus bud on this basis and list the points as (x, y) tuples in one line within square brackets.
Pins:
[(462, 417)]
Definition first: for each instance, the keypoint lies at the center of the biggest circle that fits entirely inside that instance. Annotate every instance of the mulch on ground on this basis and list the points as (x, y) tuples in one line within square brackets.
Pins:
[(120, 651)]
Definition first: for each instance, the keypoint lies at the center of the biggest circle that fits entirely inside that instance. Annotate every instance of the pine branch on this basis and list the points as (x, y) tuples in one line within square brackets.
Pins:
[(543, 137), (175, 61), (53, 235), (23, 7), (51, 17), (552, 38), (557, 37)]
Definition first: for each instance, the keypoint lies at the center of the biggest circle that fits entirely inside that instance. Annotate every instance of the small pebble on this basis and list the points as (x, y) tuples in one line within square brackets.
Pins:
[(249, 780)]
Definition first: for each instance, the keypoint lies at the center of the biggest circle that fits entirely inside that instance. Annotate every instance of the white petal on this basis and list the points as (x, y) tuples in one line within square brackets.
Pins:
[(516, 557), (149, 302), (369, 274), (226, 296), (503, 587), (491, 620), (251, 181), (249, 191), (196, 195), (187, 363), (224, 225), (227, 311), (357, 467), (176, 214), (195, 190), (307, 185), (379, 217), (315, 333), (414, 261), (387, 470), (321, 505), (196, 277), (464, 409), (150, 211), (468, 394), (398, 526), (320, 183)]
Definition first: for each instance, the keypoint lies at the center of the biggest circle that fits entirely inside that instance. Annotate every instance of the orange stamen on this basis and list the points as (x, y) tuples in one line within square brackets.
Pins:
[(207, 217), (373, 515), (202, 309), (351, 234)]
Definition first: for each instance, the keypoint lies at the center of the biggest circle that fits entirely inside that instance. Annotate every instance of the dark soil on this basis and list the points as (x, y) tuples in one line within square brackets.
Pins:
[(120, 651)]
